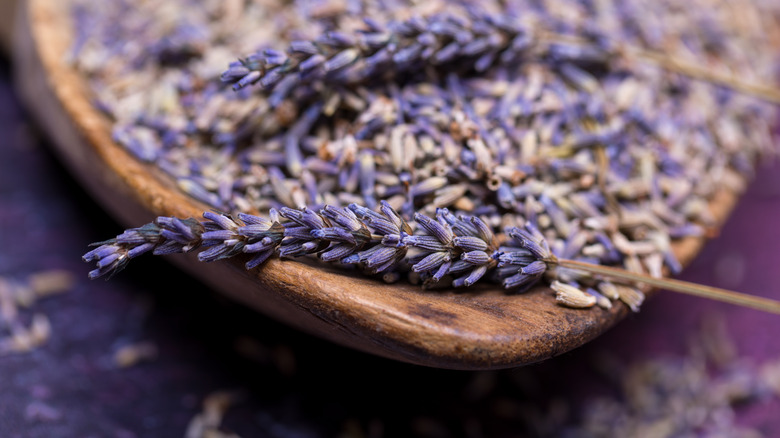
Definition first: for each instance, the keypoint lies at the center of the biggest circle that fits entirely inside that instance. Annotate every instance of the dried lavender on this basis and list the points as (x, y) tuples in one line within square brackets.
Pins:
[(697, 394), (476, 41), (132, 354), (478, 109), (15, 335), (381, 50), (207, 422), (461, 249), (703, 392)]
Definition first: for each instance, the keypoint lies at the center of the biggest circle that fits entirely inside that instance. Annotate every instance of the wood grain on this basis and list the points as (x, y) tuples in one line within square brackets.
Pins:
[(483, 328)]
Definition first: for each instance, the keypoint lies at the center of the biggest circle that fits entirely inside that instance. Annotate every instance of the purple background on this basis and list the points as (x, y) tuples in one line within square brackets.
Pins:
[(297, 385)]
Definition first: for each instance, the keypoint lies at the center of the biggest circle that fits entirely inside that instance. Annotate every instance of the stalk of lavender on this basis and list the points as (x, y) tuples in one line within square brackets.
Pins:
[(376, 241), (461, 249), (673, 285), (477, 41), (163, 236)]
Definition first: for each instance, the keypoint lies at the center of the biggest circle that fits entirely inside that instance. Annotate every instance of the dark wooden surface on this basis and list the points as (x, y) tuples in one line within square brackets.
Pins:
[(297, 385)]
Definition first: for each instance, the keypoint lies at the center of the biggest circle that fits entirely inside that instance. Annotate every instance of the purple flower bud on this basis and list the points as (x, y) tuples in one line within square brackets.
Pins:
[(476, 257)]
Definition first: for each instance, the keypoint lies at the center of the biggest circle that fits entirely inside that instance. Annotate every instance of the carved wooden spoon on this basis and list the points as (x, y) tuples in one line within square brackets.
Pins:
[(483, 328)]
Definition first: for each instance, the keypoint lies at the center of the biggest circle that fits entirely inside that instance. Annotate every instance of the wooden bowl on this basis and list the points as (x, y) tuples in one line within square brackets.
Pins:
[(484, 328)]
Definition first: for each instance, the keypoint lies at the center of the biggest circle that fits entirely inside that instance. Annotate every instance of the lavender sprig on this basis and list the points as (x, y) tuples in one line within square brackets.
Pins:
[(165, 235), (462, 248), (446, 245), (479, 40)]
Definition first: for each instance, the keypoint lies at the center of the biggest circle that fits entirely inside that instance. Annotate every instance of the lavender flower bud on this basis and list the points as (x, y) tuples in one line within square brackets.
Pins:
[(570, 296)]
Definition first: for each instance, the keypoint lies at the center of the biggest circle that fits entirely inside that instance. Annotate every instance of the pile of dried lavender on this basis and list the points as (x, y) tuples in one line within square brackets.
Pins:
[(712, 389), (15, 294), (509, 114), (697, 394)]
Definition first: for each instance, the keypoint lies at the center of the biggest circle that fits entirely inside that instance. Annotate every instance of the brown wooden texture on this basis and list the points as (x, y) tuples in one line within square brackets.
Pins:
[(483, 328), (7, 14)]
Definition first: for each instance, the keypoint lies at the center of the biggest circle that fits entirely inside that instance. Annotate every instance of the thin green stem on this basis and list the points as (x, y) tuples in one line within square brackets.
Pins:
[(713, 293)]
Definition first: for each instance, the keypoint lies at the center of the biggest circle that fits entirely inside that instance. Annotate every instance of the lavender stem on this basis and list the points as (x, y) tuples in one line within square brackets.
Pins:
[(441, 40), (713, 293)]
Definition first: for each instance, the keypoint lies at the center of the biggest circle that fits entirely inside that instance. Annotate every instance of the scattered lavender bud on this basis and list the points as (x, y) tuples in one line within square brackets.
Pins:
[(570, 296)]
